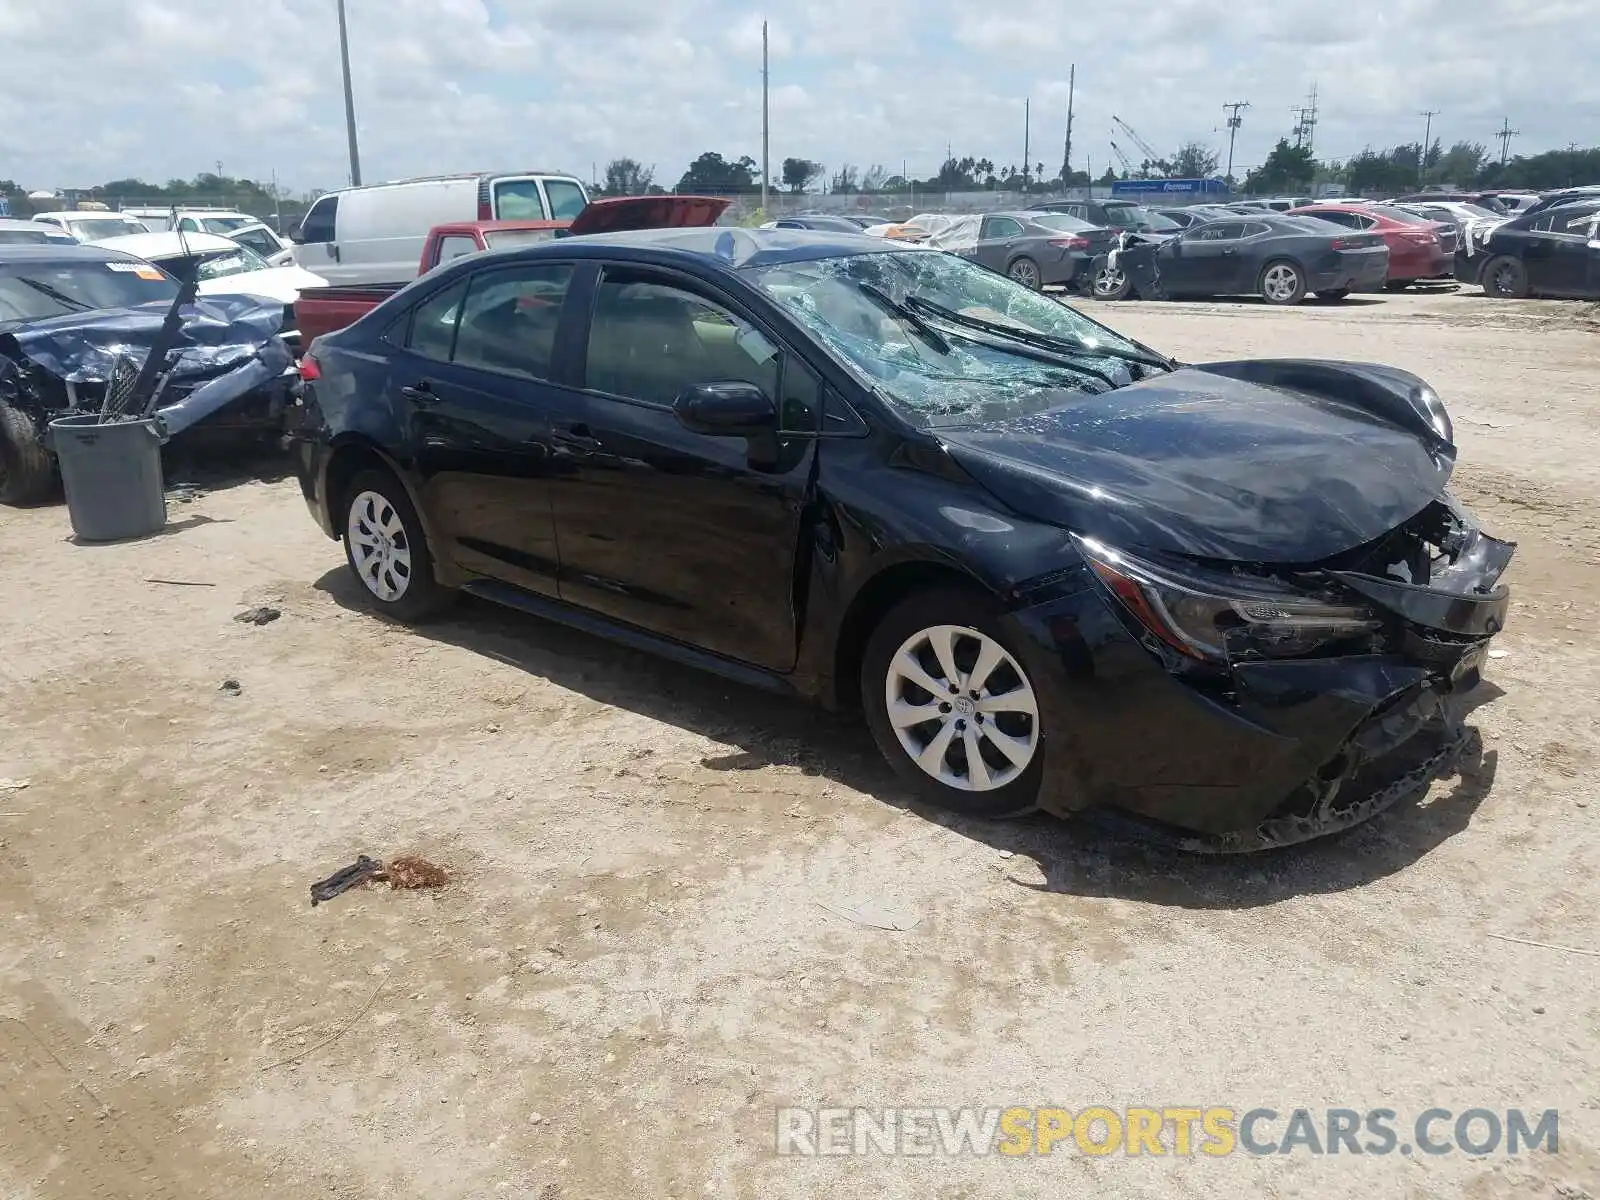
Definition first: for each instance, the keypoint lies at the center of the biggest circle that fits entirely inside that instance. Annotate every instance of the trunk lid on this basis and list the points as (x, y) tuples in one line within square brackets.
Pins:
[(619, 214)]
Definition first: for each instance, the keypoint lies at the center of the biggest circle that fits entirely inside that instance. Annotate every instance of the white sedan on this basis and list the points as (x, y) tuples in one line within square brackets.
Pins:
[(220, 266)]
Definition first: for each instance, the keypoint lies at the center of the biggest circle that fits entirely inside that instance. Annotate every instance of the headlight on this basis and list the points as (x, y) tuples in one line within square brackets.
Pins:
[(1215, 618)]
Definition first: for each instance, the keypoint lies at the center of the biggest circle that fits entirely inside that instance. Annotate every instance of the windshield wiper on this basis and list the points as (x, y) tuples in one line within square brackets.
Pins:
[(56, 294), (1075, 346), (931, 335)]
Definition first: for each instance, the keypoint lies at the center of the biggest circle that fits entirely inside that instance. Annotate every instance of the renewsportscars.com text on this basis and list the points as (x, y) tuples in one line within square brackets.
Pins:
[(1176, 1131)]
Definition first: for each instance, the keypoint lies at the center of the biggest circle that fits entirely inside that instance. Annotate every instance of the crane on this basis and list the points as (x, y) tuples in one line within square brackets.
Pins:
[(1152, 158), (1127, 167)]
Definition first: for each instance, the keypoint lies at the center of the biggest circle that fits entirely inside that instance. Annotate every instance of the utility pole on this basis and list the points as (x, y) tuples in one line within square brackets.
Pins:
[(277, 203), (1505, 135), (1306, 124), (349, 100), (1234, 121), (1027, 143), (1427, 141), (1066, 153), (766, 125)]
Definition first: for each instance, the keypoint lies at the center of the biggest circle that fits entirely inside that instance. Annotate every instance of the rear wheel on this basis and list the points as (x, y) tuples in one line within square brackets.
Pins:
[(27, 473), (388, 551), (1026, 272), (1506, 278), (1282, 282), (1398, 285), (951, 705)]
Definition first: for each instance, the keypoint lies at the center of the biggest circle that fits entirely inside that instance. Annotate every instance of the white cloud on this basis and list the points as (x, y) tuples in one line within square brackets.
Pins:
[(100, 89)]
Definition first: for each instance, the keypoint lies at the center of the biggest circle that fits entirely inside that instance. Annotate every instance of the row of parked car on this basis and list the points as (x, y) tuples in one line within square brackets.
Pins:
[(1283, 250)]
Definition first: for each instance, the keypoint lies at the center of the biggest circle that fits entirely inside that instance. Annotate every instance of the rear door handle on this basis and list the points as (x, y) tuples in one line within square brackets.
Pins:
[(578, 439), (420, 394)]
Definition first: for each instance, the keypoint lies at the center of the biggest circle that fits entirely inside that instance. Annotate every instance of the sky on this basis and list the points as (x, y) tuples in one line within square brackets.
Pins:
[(158, 89)]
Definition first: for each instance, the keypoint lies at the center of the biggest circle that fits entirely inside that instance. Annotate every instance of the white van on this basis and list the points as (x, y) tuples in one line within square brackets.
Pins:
[(375, 234)]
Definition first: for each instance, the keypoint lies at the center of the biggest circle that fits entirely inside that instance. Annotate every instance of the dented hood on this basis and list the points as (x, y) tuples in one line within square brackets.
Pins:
[(623, 213), (1265, 461)]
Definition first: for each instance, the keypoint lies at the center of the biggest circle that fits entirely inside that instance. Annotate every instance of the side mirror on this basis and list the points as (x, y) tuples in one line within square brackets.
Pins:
[(732, 409), (295, 235)]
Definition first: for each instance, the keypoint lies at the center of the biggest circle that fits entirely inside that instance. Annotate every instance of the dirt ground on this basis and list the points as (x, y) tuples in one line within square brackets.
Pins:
[(679, 905)]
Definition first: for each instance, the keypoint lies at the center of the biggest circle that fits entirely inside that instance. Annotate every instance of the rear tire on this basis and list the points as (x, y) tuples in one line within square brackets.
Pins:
[(1506, 278), (387, 549), (27, 472), (1333, 295), (1282, 282), (1026, 272), (1398, 285), (998, 721)]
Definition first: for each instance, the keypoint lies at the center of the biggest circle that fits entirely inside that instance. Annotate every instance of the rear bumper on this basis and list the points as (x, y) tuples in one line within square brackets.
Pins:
[(1419, 262), (1350, 272)]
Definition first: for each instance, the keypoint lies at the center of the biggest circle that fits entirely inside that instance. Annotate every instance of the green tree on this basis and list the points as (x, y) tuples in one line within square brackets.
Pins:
[(625, 177), (714, 175), (799, 172), (1288, 168), (845, 181), (1460, 165), (1192, 161)]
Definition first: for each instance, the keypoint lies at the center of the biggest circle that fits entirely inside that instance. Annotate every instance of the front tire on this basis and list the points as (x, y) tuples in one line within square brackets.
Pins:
[(952, 707), (387, 550), (1282, 283), (27, 473), (1333, 295)]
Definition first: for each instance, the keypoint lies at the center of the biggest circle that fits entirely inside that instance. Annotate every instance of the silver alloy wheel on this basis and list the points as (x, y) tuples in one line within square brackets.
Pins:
[(1280, 282), (1025, 273), (379, 546), (962, 708), (1108, 281)]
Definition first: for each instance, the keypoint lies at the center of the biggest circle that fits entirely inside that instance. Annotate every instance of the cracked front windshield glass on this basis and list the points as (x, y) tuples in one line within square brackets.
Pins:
[(959, 376)]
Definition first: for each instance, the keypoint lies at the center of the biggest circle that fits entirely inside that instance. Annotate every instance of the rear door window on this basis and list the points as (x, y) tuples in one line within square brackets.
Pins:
[(318, 225), (508, 323), (433, 323), (518, 200), (995, 228)]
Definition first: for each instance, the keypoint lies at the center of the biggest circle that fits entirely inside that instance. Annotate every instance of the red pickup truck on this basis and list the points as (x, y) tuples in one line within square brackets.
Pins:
[(324, 309)]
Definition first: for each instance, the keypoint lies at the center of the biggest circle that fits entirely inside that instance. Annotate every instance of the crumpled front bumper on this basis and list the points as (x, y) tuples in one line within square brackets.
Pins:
[(1271, 751)]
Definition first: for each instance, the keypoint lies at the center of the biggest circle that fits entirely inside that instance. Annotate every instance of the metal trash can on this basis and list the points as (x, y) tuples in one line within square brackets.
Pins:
[(112, 476)]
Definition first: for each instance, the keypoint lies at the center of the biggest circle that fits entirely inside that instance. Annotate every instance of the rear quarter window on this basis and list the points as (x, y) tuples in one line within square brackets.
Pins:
[(518, 200)]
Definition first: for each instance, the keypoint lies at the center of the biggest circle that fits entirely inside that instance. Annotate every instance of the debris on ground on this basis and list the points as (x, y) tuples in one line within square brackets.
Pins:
[(344, 879), (13, 785), (258, 616), (231, 686), (180, 582), (411, 872), (408, 872), (184, 493)]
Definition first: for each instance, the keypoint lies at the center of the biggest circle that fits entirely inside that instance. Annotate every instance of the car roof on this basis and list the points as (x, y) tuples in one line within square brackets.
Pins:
[(59, 252), (168, 245), (25, 223), (724, 246)]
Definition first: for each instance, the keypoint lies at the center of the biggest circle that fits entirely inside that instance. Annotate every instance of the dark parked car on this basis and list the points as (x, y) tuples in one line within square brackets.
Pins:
[(1281, 259), (1562, 196), (1115, 215), (824, 222), (1039, 249), (1056, 569), (1189, 215), (1551, 253)]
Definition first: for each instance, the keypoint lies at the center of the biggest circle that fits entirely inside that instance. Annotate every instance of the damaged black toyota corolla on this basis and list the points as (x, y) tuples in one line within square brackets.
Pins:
[(1056, 569)]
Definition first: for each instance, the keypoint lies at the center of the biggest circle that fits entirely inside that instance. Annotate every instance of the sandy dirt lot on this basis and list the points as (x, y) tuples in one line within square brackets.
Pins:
[(679, 905)]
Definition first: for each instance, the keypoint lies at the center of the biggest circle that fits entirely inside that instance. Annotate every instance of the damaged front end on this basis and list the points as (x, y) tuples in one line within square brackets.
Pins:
[(230, 371), (1349, 673)]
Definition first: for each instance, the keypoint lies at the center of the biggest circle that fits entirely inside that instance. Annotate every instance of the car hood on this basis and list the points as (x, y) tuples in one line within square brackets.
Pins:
[(620, 214), (282, 284), (1268, 461)]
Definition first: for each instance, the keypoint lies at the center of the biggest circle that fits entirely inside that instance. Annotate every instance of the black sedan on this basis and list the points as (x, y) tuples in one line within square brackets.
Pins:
[(1039, 249), (1055, 569), (1555, 253), (1279, 258)]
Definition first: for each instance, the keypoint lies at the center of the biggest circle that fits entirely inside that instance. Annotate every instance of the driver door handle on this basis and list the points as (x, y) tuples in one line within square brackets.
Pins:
[(420, 394), (579, 439)]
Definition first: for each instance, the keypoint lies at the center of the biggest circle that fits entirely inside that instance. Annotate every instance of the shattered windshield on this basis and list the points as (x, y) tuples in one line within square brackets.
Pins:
[(935, 372), (54, 290), (219, 265)]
